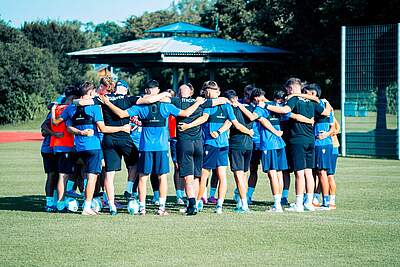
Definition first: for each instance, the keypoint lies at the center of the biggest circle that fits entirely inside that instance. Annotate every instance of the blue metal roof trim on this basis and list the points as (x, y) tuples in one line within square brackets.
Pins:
[(214, 45), (180, 27)]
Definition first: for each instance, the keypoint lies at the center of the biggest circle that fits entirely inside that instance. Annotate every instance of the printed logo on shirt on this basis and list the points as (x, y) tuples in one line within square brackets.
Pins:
[(323, 151), (206, 152)]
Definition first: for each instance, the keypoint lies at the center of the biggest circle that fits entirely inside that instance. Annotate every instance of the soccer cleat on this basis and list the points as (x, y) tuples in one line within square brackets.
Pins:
[(128, 196), (118, 205), (89, 212), (161, 212), (73, 194), (113, 212), (218, 210), (294, 208), (249, 200), (205, 201), (179, 201), (276, 209), (316, 203), (191, 211), (309, 207), (155, 202), (142, 211), (332, 206), (285, 201), (241, 210), (200, 206), (324, 208), (50, 208), (212, 200)]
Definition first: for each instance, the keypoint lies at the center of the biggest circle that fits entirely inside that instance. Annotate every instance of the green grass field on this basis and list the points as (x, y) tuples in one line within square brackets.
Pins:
[(364, 230)]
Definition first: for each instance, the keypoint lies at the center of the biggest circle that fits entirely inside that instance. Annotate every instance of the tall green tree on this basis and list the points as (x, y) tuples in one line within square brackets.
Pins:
[(60, 38)]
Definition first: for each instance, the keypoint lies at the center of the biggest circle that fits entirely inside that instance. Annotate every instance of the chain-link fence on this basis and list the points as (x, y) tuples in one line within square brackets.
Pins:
[(370, 93)]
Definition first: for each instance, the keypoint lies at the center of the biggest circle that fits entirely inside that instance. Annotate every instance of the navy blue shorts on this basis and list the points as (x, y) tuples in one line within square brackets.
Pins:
[(190, 157), (92, 160), (114, 149), (240, 160), (302, 156), (323, 157), (172, 146), (154, 162), (332, 169), (66, 162), (274, 160), (214, 157), (49, 162)]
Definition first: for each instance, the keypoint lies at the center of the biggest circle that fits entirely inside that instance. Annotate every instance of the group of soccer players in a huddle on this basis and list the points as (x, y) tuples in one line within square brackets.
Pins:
[(89, 130)]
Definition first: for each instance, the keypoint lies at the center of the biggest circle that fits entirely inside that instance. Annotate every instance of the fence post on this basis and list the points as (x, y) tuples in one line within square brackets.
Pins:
[(343, 91), (398, 90)]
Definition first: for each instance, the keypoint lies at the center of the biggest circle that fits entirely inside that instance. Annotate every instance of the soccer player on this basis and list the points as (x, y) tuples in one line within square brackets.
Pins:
[(323, 130), (301, 143), (216, 142), (153, 156), (240, 150), (119, 144), (63, 146), (84, 122), (49, 164), (332, 170), (190, 144)]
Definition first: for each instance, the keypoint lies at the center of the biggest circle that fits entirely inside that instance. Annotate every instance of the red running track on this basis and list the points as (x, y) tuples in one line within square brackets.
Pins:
[(9, 137)]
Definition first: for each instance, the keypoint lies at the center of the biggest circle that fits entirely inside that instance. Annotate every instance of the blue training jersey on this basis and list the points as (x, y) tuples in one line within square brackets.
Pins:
[(269, 141), (217, 117), (323, 124), (154, 138), (82, 142)]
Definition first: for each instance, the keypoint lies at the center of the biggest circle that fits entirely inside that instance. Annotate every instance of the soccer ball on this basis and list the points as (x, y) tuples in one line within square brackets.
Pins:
[(96, 204), (72, 204), (133, 207)]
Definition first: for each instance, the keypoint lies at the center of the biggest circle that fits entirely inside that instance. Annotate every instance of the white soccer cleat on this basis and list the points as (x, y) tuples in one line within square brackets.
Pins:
[(294, 208), (218, 210), (309, 207), (276, 209)]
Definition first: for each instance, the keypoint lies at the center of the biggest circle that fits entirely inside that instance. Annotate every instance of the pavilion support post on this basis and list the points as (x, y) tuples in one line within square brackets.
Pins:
[(175, 79), (212, 74), (186, 75)]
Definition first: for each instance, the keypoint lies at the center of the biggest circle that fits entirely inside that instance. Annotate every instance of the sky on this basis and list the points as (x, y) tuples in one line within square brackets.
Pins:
[(18, 11)]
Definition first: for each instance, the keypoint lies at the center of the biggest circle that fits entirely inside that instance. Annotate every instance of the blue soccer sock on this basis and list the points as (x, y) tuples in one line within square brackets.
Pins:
[(55, 197), (285, 193), (129, 187), (70, 185), (180, 194), (250, 192), (326, 201), (84, 184), (49, 201), (213, 190), (156, 196), (317, 196)]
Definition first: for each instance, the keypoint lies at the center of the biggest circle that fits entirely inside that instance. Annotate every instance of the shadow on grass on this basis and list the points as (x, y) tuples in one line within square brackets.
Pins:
[(37, 203)]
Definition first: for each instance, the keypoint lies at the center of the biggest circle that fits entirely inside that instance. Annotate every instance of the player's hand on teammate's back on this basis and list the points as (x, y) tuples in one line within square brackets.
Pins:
[(183, 126), (214, 134), (251, 132), (126, 128)]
